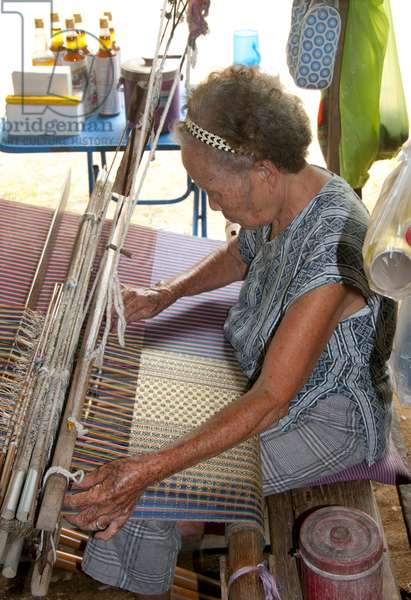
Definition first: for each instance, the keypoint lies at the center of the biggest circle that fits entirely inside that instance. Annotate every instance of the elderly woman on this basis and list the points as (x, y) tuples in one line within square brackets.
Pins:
[(307, 331)]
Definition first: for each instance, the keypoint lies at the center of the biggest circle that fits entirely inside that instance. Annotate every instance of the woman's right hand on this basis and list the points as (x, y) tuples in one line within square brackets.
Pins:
[(143, 303)]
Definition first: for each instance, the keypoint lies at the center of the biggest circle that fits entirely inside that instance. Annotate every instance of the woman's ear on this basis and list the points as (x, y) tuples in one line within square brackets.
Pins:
[(266, 171)]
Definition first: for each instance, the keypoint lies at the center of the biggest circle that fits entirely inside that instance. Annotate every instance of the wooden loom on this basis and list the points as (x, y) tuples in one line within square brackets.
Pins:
[(33, 410), (107, 409), (242, 540), (244, 546)]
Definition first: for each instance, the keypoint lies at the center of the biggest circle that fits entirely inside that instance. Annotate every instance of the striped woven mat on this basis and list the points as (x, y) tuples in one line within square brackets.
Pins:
[(175, 371)]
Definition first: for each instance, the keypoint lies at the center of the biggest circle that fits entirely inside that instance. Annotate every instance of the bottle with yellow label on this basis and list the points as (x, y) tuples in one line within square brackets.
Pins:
[(81, 34), (41, 55), (91, 88), (107, 73), (75, 59), (57, 39), (108, 15)]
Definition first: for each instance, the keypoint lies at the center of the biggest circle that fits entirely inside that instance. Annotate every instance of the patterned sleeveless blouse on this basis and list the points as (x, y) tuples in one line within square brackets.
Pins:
[(322, 245)]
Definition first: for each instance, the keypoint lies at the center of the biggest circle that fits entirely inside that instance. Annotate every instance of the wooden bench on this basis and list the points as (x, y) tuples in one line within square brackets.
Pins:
[(286, 512)]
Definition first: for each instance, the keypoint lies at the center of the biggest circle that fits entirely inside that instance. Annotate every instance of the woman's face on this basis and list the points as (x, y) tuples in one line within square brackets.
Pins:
[(242, 197)]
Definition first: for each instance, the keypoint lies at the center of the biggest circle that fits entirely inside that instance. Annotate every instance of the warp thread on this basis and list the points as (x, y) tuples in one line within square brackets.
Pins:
[(271, 591)]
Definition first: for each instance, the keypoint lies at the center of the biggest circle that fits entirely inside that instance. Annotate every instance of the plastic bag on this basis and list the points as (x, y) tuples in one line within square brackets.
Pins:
[(365, 43), (387, 245), (400, 360), (393, 109), (373, 114)]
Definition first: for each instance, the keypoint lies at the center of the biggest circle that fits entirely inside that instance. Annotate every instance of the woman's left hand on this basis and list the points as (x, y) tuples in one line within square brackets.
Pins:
[(111, 492)]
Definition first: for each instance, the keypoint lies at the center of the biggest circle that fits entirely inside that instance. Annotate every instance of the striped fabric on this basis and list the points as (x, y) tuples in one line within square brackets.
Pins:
[(179, 351), (175, 371)]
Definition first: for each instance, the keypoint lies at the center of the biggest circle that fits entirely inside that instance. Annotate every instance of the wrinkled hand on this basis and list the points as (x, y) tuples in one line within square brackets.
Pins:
[(144, 303), (111, 492)]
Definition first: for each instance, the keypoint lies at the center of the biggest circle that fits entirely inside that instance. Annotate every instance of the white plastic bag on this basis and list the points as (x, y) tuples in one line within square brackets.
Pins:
[(387, 245)]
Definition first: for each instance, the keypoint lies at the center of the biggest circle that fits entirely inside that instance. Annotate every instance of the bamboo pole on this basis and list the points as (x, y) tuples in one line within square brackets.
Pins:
[(56, 485), (38, 278), (245, 549), (59, 344)]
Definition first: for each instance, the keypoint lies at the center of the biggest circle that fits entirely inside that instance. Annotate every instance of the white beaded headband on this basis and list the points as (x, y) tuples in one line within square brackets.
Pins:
[(208, 138)]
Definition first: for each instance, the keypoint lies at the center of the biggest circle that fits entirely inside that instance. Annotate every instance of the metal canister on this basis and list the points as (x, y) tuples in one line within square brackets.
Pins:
[(341, 555), (135, 74)]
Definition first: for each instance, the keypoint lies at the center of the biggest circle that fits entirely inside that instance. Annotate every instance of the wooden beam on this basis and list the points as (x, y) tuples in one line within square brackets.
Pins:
[(245, 549), (281, 523), (404, 490)]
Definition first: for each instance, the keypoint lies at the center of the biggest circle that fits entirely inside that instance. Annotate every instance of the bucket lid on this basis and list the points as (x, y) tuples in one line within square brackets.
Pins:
[(341, 541), (136, 69)]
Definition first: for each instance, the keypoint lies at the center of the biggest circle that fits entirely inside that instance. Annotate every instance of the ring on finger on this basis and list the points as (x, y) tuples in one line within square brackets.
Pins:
[(99, 527)]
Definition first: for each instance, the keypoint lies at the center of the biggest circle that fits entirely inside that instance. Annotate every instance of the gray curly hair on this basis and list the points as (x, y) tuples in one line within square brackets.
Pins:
[(254, 114)]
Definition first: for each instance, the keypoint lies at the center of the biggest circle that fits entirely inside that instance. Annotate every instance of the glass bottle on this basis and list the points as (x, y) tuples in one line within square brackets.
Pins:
[(41, 55), (107, 73), (81, 34), (75, 59), (57, 39), (104, 46), (114, 45), (91, 89)]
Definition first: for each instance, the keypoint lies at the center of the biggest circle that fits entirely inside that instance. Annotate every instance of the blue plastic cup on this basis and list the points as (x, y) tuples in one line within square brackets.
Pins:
[(246, 47)]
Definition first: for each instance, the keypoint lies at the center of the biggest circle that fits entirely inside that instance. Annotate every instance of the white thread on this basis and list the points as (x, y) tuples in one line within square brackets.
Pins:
[(114, 301), (53, 548), (41, 544), (40, 548), (119, 308), (194, 56), (80, 429), (77, 476)]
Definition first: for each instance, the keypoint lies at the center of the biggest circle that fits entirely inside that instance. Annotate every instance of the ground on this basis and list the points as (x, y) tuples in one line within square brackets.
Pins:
[(37, 179)]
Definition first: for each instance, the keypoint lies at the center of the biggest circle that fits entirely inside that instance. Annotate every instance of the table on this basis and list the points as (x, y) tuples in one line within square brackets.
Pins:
[(104, 134)]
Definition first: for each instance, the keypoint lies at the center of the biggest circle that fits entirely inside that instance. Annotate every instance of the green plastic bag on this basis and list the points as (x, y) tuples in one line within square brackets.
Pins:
[(393, 109), (365, 43), (374, 121)]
